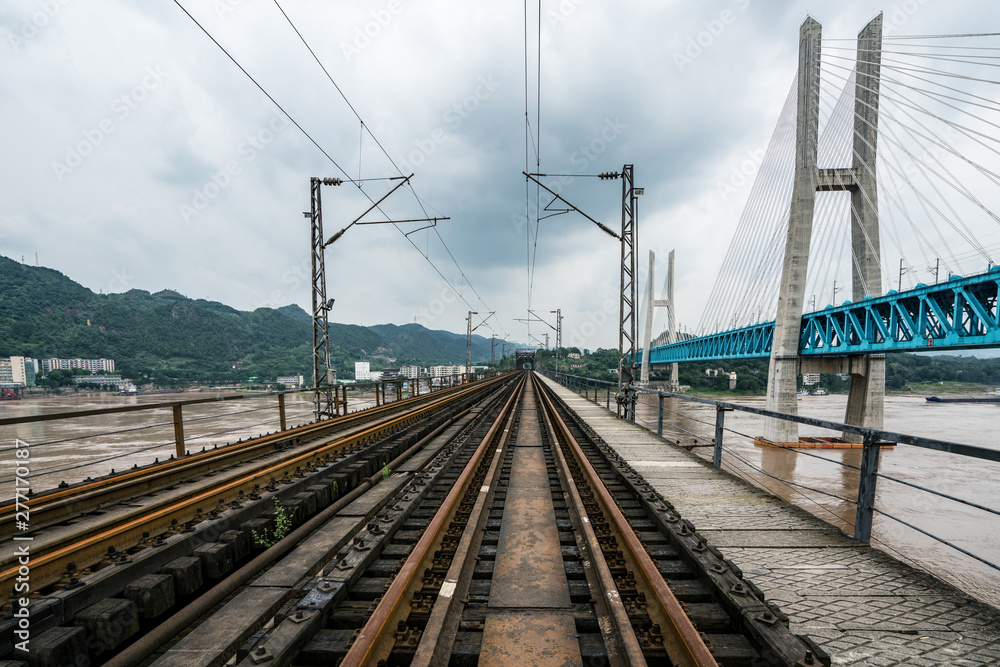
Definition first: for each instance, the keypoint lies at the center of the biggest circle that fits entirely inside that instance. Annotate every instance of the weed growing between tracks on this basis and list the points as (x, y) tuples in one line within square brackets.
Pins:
[(282, 526)]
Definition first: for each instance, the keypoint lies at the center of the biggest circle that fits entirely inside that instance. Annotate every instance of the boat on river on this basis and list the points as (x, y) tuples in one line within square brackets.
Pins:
[(967, 399)]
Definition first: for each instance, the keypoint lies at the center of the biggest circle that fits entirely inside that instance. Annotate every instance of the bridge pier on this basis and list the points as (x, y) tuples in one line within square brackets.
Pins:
[(866, 401)]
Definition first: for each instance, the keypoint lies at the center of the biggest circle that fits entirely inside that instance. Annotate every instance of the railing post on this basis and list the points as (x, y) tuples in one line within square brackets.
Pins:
[(336, 401), (659, 416), (866, 489), (376, 395), (720, 427), (399, 390), (607, 397), (179, 431), (281, 412), (345, 399)]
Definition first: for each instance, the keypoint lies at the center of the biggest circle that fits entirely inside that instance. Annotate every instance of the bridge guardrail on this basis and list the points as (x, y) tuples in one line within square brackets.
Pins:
[(873, 440), (178, 420)]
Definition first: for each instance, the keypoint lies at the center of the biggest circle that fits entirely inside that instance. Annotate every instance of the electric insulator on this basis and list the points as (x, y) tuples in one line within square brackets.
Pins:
[(608, 176), (332, 181)]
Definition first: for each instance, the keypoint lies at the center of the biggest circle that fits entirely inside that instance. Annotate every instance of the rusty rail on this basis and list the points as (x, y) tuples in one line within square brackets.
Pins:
[(681, 639)]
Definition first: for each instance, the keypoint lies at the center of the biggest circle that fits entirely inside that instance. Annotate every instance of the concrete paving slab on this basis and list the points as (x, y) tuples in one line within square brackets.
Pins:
[(529, 641), (529, 571)]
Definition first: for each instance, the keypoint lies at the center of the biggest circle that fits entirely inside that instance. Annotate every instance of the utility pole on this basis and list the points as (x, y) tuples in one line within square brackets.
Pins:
[(493, 350), (626, 397), (468, 341), (468, 337), (324, 377), (558, 312)]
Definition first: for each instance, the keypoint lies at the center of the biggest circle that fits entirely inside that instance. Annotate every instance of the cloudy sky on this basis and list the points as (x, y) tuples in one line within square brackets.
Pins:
[(137, 155)]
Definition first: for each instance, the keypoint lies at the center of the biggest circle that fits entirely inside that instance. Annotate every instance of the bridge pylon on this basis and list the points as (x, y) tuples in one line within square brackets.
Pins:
[(867, 395)]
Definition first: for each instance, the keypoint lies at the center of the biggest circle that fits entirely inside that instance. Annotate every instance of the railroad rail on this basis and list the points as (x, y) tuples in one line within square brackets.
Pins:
[(500, 532)]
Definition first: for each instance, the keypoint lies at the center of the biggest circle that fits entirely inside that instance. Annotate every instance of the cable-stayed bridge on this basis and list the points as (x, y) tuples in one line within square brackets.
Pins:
[(891, 155)]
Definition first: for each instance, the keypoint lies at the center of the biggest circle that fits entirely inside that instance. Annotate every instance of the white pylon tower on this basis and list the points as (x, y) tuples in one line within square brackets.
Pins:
[(866, 401), (651, 304)]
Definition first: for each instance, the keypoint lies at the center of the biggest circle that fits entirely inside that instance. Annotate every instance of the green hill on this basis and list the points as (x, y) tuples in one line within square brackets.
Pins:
[(173, 339)]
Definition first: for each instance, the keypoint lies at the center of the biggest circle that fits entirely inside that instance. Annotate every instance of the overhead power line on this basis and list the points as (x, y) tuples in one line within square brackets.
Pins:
[(355, 181)]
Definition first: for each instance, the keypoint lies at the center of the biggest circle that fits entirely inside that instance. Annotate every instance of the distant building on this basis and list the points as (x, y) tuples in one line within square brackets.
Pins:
[(375, 376), (17, 370), (362, 370), (445, 371), (92, 365), (390, 373), (410, 371), (114, 381), (291, 380), (573, 355), (810, 379)]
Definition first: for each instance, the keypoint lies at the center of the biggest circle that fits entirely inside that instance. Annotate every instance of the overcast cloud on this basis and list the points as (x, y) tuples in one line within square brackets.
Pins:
[(136, 155)]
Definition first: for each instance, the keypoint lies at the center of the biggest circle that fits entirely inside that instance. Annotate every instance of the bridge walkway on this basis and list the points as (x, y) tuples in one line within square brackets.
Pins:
[(863, 606)]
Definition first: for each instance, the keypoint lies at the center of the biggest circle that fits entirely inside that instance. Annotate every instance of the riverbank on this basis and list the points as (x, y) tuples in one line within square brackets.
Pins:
[(910, 389)]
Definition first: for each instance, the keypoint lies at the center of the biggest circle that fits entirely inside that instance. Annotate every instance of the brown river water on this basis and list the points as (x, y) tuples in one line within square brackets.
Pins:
[(130, 439)]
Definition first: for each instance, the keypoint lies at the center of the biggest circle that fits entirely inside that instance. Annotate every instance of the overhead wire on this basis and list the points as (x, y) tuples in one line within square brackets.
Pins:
[(356, 182)]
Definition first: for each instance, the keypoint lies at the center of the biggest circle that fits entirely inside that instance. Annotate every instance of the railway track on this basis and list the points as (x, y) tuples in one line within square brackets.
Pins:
[(504, 534), (89, 538)]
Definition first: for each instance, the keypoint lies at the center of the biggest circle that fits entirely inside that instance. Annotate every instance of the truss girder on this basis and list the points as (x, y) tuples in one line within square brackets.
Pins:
[(960, 313)]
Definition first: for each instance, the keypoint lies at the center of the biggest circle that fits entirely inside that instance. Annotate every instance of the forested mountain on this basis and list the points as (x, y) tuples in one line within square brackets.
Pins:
[(171, 338)]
